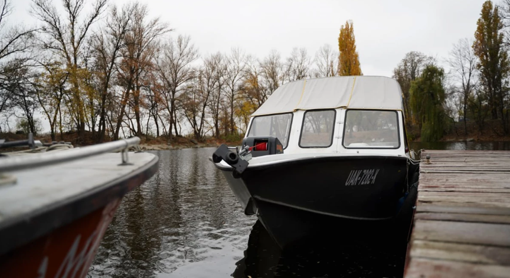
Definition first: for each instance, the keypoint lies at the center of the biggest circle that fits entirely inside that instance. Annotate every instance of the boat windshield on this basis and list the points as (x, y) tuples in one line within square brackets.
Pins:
[(317, 129), (371, 129), (272, 125)]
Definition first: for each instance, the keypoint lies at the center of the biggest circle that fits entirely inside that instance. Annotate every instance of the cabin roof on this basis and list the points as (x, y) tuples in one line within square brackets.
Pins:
[(353, 92)]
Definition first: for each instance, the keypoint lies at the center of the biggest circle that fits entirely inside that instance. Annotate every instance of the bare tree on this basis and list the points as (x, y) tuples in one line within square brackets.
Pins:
[(326, 61), (504, 10), (137, 59), (108, 43), (19, 83), (463, 64), (216, 63), (297, 66), (175, 70), (50, 89), (197, 95), (15, 42), (253, 89), (66, 36), (271, 71), (407, 71), (236, 66)]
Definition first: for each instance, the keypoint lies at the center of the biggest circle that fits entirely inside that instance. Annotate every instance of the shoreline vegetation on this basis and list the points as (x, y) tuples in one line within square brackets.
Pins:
[(130, 74), (456, 133)]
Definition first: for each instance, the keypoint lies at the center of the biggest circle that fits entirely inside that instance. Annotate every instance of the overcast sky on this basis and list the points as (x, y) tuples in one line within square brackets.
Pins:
[(385, 30)]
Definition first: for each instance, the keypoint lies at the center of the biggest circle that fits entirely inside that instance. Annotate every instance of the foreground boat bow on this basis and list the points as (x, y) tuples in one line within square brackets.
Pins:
[(53, 217)]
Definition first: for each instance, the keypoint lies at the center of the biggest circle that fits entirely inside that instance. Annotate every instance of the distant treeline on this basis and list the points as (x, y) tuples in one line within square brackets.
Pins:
[(475, 91), (116, 72)]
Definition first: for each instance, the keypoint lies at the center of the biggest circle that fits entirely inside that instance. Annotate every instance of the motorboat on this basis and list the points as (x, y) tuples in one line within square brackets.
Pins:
[(55, 206), (326, 156)]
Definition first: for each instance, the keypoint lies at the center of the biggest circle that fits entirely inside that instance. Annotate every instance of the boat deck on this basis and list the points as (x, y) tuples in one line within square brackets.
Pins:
[(462, 220), (45, 198)]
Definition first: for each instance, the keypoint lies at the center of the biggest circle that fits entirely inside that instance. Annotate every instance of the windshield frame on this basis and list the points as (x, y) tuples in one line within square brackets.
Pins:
[(372, 147), (269, 115), (332, 131)]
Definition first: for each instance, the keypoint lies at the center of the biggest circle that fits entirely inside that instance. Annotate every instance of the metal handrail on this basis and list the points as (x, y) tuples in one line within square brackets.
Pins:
[(45, 159)]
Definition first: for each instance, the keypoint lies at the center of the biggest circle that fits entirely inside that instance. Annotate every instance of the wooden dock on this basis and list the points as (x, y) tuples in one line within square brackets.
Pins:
[(462, 220)]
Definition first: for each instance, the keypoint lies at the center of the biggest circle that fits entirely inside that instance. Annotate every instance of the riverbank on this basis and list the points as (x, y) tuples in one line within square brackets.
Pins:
[(184, 142), (491, 132), (177, 146), (146, 142)]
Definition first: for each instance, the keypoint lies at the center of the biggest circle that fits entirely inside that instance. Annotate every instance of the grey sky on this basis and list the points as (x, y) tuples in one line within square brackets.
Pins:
[(385, 30)]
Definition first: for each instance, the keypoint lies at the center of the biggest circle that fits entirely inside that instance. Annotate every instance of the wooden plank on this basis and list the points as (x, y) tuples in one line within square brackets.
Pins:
[(481, 204), (461, 189), (467, 180), (460, 165), (465, 160), (474, 153), (459, 171), (462, 220), (502, 185), (483, 199), (462, 157), (464, 153), (467, 166), (487, 184), (462, 208), (468, 161), (424, 268), (446, 195), (452, 157), (450, 177), (457, 187), (463, 217), (478, 254), (461, 232), (464, 179)]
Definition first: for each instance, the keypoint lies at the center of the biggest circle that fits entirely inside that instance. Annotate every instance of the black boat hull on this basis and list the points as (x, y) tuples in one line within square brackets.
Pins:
[(351, 195)]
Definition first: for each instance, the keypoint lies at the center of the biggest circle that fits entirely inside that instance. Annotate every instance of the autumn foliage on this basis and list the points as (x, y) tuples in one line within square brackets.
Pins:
[(348, 59), (494, 65)]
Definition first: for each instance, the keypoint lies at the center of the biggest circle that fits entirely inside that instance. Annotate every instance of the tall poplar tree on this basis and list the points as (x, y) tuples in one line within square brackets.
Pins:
[(493, 60), (348, 60)]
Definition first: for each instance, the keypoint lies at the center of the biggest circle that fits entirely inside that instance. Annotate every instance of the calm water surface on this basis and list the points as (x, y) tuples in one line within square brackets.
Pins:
[(185, 222), (461, 145)]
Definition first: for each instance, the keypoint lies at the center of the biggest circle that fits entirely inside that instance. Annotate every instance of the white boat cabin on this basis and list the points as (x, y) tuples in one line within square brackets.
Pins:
[(359, 115)]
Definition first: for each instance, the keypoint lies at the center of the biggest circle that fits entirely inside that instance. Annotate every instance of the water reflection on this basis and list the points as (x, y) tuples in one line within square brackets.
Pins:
[(461, 145), (183, 222), (334, 258)]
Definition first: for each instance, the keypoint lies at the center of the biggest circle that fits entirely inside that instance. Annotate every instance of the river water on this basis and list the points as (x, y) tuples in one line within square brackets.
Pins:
[(185, 222)]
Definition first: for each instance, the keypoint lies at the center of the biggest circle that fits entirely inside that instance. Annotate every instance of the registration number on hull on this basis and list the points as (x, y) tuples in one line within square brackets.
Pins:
[(362, 177)]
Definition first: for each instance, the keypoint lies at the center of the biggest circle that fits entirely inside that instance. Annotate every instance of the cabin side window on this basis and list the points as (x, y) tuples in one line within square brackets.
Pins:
[(272, 125), (317, 130), (371, 129)]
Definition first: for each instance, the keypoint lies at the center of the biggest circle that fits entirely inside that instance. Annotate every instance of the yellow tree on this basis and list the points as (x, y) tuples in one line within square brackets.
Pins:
[(494, 63), (66, 35), (348, 59)]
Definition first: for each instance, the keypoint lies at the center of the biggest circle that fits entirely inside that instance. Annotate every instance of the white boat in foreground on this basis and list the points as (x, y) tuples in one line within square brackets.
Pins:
[(55, 207), (326, 155)]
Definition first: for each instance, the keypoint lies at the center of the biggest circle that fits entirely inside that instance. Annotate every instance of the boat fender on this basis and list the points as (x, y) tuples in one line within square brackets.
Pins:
[(231, 158)]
